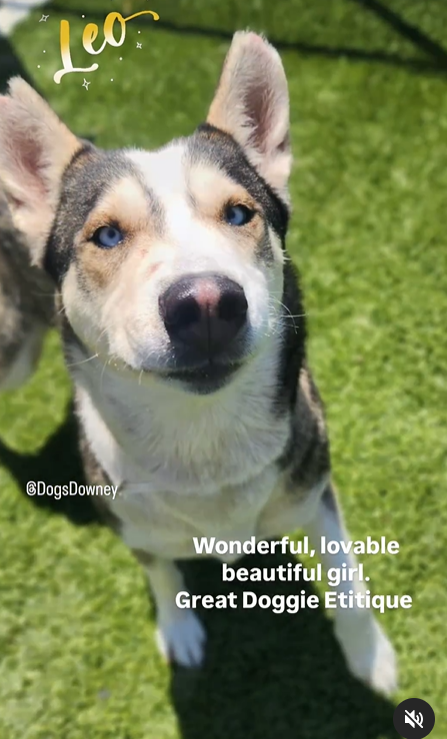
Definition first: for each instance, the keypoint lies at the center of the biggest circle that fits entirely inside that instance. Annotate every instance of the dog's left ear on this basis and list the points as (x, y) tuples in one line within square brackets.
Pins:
[(35, 148), (252, 104)]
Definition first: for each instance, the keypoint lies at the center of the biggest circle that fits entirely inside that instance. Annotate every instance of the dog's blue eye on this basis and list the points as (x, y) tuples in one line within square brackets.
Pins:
[(108, 237), (238, 215)]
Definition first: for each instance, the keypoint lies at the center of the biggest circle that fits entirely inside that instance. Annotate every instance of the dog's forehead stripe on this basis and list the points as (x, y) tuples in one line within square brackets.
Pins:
[(162, 171)]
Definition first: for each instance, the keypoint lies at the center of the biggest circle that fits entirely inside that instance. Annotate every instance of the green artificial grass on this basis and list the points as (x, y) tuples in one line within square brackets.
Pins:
[(369, 189)]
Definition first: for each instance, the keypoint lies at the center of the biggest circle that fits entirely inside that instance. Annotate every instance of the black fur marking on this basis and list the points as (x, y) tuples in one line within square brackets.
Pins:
[(293, 352), (307, 454), (312, 460)]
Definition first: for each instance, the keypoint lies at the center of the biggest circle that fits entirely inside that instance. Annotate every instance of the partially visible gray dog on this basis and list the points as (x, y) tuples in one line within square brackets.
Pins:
[(183, 324), (26, 305)]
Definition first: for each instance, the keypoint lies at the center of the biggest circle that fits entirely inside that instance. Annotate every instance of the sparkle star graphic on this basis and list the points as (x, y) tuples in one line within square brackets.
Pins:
[(44, 19), (139, 46), (85, 84)]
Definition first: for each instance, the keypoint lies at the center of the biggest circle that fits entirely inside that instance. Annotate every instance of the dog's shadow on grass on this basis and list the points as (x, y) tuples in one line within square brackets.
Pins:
[(265, 675), (58, 462), (270, 675)]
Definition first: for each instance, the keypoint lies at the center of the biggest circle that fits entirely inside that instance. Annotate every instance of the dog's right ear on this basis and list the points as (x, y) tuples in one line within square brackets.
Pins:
[(35, 149)]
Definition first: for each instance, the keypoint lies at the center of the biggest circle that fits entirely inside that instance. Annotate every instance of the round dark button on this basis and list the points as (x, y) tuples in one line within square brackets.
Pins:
[(414, 719)]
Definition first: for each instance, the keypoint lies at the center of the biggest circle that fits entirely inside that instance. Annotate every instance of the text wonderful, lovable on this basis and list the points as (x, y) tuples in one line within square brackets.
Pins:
[(212, 546)]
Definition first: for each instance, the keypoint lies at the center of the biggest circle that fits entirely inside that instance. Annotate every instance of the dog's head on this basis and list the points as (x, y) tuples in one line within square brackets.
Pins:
[(169, 262)]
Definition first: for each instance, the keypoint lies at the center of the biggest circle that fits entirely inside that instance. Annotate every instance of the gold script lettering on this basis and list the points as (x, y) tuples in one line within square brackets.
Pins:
[(90, 35)]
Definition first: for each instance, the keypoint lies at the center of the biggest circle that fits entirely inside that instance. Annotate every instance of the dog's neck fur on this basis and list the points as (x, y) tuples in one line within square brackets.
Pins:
[(144, 430)]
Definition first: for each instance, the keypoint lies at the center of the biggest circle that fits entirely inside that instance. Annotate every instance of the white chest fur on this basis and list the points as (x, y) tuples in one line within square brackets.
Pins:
[(186, 466), (164, 505)]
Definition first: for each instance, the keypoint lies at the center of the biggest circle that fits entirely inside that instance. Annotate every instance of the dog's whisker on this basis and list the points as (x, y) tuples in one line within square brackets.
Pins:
[(279, 302), (83, 361), (102, 373), (290, 316)]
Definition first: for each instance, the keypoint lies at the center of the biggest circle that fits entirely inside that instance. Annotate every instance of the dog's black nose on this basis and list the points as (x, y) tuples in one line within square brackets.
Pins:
[(204, 312)]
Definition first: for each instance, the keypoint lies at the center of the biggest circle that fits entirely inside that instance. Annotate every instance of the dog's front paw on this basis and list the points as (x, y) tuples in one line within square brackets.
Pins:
[(368, 652), (181, 639)]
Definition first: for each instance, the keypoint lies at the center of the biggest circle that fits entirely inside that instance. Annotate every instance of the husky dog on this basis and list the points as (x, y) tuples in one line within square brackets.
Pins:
[(184, 333)]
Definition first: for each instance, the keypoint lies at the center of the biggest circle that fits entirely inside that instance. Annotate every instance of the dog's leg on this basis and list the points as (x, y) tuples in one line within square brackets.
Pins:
[(368, 652), (180, 635)]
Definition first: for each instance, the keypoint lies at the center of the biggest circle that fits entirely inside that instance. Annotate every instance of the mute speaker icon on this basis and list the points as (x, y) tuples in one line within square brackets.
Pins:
[(413, 719)]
